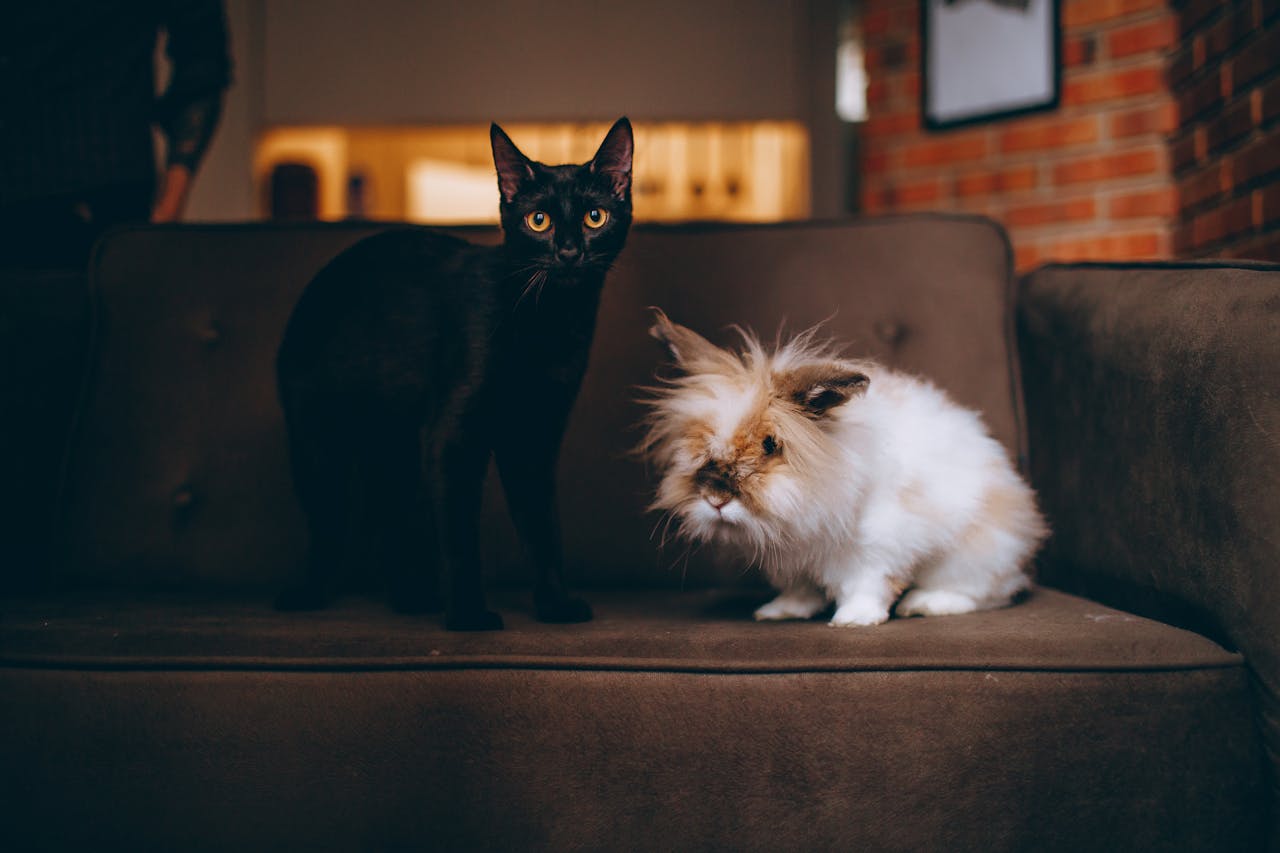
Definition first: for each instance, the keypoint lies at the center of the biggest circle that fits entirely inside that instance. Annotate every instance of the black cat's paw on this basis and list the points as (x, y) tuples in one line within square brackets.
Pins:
[(474, 620), (306, 597), (561, 609)]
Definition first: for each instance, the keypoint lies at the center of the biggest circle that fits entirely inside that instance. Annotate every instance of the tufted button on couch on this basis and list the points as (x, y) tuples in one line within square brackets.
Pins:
[(150, 698)]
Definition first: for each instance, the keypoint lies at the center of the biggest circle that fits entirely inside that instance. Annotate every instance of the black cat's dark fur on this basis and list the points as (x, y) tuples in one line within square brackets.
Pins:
[(414, 356)]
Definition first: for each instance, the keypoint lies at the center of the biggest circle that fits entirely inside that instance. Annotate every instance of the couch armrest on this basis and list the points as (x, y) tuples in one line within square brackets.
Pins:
[(1153, 414)]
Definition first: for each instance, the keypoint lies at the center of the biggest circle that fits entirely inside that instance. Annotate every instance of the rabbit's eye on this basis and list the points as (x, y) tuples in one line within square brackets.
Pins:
[(769, 445)]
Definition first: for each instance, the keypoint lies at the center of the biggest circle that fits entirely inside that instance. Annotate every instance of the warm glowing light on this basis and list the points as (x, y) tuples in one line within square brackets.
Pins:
[(439, 192), (736, 171)]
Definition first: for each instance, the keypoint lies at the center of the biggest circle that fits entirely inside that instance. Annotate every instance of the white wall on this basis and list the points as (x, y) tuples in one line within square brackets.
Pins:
[(441, 61), (224, 187)]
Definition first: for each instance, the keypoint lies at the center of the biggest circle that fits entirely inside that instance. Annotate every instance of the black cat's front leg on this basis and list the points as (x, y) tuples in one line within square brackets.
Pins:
[(529, 481), (456, 477)]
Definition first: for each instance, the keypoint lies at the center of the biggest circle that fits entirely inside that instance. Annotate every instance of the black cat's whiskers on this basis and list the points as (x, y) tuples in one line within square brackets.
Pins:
[(539, 273), (537, 281), (541, 276)]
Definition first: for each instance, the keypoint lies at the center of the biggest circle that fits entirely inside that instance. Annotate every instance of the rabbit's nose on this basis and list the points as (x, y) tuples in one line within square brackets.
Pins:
[(715, 478)]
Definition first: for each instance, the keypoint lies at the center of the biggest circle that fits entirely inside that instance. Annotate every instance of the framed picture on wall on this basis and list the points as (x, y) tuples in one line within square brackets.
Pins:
[(982, 60)]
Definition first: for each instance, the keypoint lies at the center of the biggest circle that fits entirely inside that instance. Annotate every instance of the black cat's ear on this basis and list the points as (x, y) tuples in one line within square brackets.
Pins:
[(613, 160), (513, 167)]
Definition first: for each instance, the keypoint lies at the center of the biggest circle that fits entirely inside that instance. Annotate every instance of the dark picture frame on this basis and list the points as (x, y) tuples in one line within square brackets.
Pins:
[(988, 60)]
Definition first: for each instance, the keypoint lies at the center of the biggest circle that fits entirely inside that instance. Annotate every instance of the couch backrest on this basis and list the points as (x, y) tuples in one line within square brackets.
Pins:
[(179, 474)]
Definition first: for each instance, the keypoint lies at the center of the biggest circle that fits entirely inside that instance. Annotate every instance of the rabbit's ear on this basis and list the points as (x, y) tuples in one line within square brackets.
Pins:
[(819, 388), (688, 350)]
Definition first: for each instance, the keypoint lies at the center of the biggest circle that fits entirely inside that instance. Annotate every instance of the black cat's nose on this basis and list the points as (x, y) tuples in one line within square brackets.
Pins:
[(569, 254)]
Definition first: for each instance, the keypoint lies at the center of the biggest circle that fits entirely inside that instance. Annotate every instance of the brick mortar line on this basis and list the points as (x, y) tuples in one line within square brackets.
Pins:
[(996, 161), (1106, 25), (1235, 146), (1114, 22), (1231, 53), (1155, 56)]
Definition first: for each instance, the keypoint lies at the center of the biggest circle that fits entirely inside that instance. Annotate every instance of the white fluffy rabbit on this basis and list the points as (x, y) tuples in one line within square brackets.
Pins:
[(843, 480)]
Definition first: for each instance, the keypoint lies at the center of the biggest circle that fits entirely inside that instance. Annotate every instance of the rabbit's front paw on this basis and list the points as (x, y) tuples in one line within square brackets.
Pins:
[(791, 605), (935, 602), (860, 611)]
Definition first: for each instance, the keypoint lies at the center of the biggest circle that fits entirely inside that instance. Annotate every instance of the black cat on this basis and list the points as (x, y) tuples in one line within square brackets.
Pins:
[(413, 356)]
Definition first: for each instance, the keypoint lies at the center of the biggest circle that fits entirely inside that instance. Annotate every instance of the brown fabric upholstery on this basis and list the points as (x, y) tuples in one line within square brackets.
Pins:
[(1153, 398), (180, 460), (704, 631), (672, 722), (606, 760), (180, 472)]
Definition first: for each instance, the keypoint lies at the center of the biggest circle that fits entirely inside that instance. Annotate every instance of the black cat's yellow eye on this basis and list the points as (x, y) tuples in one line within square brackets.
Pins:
[(538, 221), (595, 217), (769, 445)]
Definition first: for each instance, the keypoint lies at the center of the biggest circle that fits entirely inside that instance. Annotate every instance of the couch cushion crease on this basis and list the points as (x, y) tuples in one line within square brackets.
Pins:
[(642, 630)]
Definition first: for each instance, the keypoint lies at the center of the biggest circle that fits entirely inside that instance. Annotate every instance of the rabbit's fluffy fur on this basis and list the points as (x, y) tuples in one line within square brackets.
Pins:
[(844, 481)]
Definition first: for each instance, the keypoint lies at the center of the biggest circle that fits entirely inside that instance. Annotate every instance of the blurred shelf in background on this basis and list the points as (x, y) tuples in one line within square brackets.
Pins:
[(755, 171)]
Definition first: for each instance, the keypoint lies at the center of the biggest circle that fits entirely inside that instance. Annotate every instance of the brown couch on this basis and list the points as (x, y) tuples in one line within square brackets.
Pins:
[(151, 699)]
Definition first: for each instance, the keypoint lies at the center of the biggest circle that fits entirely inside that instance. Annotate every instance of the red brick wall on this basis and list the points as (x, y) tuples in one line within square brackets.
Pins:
[(1225, 76), (1091, 180)]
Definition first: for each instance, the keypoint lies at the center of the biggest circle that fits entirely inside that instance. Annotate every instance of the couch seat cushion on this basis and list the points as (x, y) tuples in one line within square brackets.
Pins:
[(702, 631), (671, 722)]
